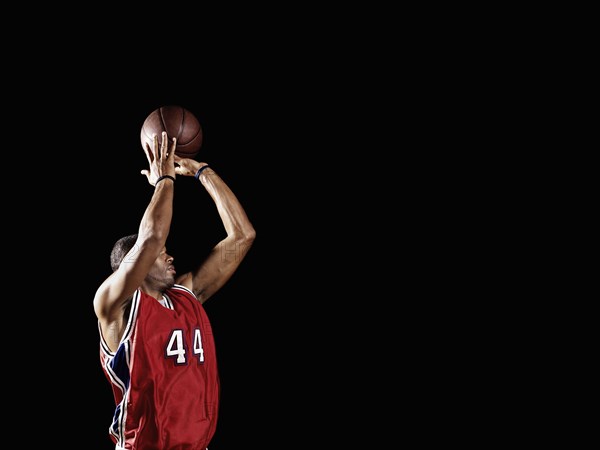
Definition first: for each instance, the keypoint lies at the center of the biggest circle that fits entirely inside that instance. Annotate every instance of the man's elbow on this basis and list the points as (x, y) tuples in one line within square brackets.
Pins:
[(250, 235), (246, 238)]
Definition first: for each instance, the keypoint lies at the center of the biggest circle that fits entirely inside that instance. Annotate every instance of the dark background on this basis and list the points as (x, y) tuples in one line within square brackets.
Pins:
[(292, 115), (288, 325), (318, 137), (86, 191)]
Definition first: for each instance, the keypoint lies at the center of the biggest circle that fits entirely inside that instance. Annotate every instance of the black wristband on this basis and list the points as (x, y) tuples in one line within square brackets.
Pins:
[(163, 177), (200, 171)]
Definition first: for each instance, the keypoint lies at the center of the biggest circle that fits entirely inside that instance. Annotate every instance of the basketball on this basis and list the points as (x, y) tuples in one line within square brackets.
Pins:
[(179, 123)]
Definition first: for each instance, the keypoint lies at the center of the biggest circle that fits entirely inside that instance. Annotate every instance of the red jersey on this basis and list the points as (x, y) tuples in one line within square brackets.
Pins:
[(164, 375)]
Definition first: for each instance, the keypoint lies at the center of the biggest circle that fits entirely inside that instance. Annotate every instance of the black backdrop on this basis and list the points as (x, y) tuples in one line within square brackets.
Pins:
[(280, 323), (88, 191), (315, 133)]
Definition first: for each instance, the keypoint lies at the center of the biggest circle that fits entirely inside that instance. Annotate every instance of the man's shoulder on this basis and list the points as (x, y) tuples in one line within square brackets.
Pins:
[(178, 289)]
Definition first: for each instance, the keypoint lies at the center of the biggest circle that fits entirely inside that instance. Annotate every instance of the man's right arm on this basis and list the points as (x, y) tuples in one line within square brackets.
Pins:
[(113, 295)]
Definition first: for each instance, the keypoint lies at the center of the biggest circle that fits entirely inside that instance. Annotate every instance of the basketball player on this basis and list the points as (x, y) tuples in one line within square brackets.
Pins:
[(156, 344)]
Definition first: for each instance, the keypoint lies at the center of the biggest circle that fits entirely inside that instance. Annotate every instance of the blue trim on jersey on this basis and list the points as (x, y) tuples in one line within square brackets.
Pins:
[(117, 367), (120, 365)]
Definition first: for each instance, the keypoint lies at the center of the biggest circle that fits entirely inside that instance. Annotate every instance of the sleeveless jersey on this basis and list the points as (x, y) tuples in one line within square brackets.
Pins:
[(164, 375)]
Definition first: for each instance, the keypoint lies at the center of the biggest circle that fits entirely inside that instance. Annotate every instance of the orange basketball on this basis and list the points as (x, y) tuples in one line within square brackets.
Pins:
[(179, 123)]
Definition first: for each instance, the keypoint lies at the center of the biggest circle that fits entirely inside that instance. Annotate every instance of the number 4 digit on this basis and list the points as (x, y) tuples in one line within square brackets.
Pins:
[(175, 347), (198, 350)]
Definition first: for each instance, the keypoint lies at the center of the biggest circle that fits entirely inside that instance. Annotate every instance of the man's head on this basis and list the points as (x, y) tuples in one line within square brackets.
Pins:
[(162, 273)]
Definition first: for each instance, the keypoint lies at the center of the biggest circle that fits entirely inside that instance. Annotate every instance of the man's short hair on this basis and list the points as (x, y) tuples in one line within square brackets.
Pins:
[(120, 249)]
